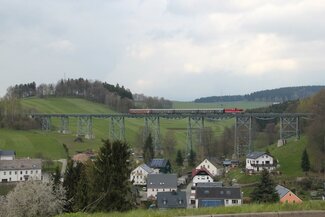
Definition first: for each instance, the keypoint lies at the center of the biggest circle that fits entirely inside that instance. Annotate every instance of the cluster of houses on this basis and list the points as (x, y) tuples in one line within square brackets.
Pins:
[(16, 170), (162, 186)]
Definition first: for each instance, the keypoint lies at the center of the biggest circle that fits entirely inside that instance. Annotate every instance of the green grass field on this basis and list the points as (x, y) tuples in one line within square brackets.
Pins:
[(249, 208), (35, 143)]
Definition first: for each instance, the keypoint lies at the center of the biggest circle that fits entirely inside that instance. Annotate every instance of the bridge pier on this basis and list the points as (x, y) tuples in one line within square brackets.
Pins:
[(85, 127), (46, 123), (64, 127), (289, 126), (152, 125), (195, 123), (243, 135), (117, 128)]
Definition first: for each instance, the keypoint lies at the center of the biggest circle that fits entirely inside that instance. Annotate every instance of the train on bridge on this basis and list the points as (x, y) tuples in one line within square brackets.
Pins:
[(186, 111)]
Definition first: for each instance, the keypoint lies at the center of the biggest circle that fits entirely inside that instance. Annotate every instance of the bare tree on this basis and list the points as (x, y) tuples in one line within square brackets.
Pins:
[(34, 198)]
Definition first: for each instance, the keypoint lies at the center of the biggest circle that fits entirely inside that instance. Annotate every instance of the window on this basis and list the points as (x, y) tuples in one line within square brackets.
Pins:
[(31, 172), (10, 173), (10, 179), (227, 201), (26, 172), (15, 172), (164, 201), (180, 201), (234, 201), (21, 172), (21, 178), (4, 173), (36, 171)]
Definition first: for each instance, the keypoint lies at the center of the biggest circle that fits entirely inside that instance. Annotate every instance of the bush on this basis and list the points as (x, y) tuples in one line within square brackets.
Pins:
[(34, 198)]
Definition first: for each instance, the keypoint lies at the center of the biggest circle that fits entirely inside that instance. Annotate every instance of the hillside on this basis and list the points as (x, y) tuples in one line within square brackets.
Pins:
[(35, 143), (274, 95)]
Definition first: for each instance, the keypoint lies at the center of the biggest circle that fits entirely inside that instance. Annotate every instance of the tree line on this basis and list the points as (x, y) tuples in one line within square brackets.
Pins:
[(274, 95), (143, 101)]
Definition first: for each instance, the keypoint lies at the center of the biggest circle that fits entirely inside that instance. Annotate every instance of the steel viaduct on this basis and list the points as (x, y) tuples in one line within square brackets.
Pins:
[(289, 125)]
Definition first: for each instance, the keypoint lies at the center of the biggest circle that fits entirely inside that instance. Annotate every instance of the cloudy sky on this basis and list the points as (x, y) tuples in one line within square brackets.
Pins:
[(177, 49)]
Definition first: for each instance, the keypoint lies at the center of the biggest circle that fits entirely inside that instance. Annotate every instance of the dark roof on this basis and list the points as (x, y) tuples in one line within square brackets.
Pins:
[(158, 163), (282, 191), (174, 199), (255, 154), (162, 181), (7, 153), (147, 168), (20, 164), (201, 171), (218, 193)]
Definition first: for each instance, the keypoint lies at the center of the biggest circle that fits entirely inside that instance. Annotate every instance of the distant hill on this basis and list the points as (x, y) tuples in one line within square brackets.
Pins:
[(274, 95)]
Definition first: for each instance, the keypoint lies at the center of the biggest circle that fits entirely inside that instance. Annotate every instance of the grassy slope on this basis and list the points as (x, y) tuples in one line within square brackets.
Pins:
[(31, 143)]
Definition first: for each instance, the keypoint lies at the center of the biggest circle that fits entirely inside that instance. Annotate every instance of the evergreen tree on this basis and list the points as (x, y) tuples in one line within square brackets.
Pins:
[(148, 150), (71, 179), (305, 164), (179, 158), (111, 178), (265, 191), (192, 158), (82, 196)]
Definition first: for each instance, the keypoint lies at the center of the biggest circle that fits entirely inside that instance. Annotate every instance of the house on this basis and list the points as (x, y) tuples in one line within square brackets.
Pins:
[(217, 196), (160, 183), (162, 165), (209, 166), (287, 196), (20, 170), (257, 161), (201, 176), (7, 155), (173, 199), (207, 185), (230, 163), (139, 175)]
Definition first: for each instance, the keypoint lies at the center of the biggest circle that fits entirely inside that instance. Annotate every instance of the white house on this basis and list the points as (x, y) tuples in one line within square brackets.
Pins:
[(139, 175), (160, 183), (20, 170), (257, 161), (201, 176), (209, 166), (7, 155)]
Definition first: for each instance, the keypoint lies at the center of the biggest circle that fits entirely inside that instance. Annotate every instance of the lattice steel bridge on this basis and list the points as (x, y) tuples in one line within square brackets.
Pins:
[(289, 125)]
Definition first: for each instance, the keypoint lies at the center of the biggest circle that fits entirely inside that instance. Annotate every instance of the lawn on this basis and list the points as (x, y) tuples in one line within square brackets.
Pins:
[(35, 143), (249, 208), (289, 157)]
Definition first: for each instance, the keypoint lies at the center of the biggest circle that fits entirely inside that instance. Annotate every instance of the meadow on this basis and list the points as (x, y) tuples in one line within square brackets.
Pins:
[(246, 208), (37, 143)]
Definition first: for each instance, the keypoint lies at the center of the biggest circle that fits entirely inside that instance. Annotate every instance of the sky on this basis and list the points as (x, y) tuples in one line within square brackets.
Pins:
[(176, 49)]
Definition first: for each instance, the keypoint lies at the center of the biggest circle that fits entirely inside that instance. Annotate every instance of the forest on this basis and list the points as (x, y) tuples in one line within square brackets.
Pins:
[(274, 95)]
